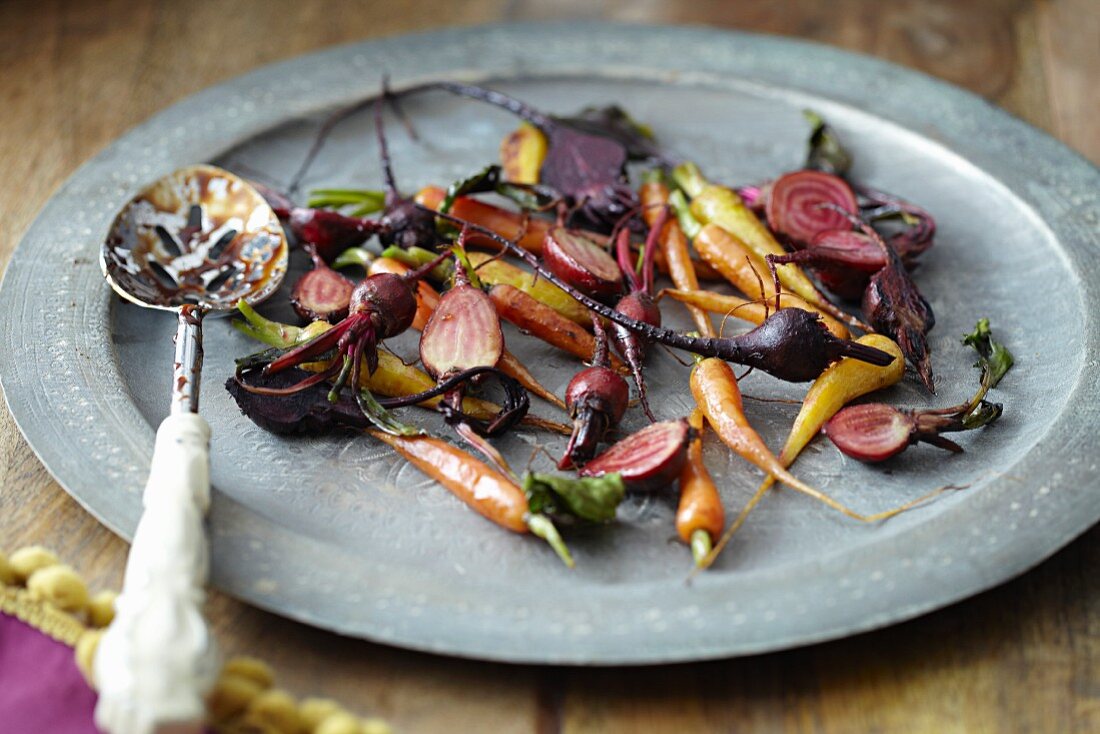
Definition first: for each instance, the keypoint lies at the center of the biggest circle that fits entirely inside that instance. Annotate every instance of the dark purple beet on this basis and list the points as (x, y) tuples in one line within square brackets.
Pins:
[(597, 398), (633, 347), (648, 460), (390, 300), (329, 232), (321, 293), (894, 307), (791, 344), (306, 411)]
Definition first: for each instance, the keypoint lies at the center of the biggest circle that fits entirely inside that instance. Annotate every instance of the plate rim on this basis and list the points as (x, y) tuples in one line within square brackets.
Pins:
[(713, 50)]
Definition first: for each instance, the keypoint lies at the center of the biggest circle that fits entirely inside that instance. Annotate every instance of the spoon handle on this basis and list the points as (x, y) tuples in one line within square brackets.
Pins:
[(157, 659)]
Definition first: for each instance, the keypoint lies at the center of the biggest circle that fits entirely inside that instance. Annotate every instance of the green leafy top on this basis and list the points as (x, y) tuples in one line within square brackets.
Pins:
[(995, 360), (825, 153), (589, 498), (993, 357), (484, 180)]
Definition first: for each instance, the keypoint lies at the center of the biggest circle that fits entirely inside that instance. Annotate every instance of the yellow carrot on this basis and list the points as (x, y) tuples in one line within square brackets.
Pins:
[(522, 153), (496, 272), (840, 383)]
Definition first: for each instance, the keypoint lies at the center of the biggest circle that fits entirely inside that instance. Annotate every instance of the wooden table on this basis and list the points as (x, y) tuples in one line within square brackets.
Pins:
[(1023, 657)]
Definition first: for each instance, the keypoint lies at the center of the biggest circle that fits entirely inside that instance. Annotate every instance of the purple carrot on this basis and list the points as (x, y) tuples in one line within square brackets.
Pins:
[(791, 344)]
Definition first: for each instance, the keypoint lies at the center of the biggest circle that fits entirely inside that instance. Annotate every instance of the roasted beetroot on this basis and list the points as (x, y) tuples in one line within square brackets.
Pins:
[(582, 263), (648, 460), (596, 398), (794, 206), (321, 294)]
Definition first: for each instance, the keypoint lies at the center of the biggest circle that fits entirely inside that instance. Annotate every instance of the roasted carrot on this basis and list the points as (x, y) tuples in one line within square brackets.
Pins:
[(510, 225), (714, 387), (674, 246), (840, 383), (494, 271), (719, 205), (699, 516), (752, 311), (510, 365), (741, 266), (482, 488), (521, 154), (507, 224), (541, 321)]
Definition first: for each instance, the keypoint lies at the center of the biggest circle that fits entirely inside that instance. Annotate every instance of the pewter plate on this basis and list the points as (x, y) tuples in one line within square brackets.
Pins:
[(335, 532)]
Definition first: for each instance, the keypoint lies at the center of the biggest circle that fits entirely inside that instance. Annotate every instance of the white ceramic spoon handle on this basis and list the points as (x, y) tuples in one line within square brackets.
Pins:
[(157, 659)]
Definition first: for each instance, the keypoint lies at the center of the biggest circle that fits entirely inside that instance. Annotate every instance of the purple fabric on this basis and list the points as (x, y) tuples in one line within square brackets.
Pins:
[(41, 689)]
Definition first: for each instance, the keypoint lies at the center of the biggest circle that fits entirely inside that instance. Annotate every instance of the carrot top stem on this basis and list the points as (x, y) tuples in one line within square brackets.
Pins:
[(701, 545), (543, 527)]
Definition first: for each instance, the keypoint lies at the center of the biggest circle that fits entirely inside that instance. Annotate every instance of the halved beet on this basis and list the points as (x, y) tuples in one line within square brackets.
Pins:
[(844, 261), (581, 263), (463, 332), (850, 249), (871, 432), (321, 293), (648, 460), (794, 208)]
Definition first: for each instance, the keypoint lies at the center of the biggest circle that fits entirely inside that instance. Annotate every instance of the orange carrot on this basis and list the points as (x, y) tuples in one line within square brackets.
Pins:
[(699, 516), (510, 224), (674, 247), (481, 487), (739, 265), (507, 224), (510, 365), (540, 320), (743, 268)]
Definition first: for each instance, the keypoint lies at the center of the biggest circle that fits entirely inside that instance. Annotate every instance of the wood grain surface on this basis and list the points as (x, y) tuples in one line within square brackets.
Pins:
[(1024, 657)]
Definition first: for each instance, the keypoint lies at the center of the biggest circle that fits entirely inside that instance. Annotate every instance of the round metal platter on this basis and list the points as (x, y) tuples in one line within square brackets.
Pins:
[(336, 532)]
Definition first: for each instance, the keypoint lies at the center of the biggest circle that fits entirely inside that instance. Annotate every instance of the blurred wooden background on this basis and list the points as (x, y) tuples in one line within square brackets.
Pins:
[(1024, 657)]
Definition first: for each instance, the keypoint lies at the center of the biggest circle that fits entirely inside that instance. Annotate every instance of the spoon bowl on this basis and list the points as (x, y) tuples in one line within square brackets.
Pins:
[(199, 236)]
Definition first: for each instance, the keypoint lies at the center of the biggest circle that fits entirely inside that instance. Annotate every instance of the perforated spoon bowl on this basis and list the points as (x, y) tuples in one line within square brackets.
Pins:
[(194, 242)]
